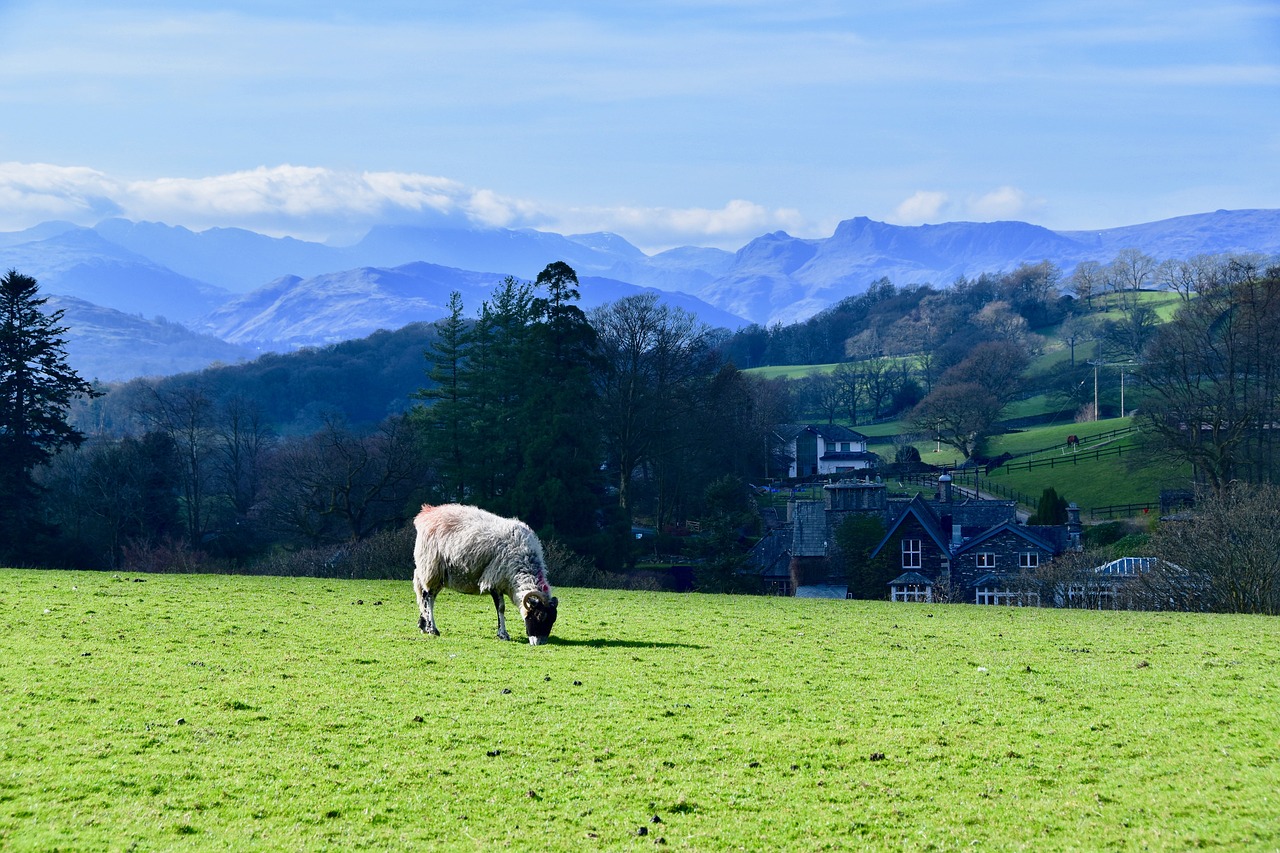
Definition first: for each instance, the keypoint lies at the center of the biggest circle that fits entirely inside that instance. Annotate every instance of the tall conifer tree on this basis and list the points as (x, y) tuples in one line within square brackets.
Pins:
[(36, 389)]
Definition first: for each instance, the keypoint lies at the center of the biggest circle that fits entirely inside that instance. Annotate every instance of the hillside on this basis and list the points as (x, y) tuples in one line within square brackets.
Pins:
[(293, 312), (111, 346)]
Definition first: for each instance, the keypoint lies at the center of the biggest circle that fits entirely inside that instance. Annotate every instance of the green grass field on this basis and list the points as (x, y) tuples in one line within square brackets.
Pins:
[(205, 712)]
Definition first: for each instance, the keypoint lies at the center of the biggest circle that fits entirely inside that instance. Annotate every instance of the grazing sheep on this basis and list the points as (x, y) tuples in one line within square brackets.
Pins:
[(477, 552)]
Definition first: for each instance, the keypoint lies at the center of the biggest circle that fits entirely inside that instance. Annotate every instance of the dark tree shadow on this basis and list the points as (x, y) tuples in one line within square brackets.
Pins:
[(621, 644)]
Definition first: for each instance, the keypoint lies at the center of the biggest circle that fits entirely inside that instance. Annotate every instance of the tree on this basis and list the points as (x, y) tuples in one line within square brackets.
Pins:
[(37, 386), (1052, 508), (856, 537), (1224, 558), (1087, 280), (994, 366), (653, 361), (342, 485), (555, 490), (498, 379), (1211, 382), (184, 412), (959, 415), (825, 394), (444, 419), (1131, 271)]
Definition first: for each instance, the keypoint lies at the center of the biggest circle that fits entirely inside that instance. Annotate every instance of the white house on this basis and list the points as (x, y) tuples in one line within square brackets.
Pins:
[(816, 450)]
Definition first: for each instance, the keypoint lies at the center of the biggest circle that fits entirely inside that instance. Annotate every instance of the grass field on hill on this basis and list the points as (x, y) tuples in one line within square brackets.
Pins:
[(157, 712)]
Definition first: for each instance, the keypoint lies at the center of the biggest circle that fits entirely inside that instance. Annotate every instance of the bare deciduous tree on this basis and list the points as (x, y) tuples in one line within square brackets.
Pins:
[(1224, 557)]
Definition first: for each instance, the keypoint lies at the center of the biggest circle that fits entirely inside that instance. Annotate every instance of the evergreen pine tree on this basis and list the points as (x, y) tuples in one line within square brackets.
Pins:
[(445, 419), (1052, 508), (36, 389), (561, 455)]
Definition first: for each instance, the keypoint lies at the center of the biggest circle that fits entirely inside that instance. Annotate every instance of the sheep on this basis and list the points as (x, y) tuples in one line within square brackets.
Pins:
[(473, 551)]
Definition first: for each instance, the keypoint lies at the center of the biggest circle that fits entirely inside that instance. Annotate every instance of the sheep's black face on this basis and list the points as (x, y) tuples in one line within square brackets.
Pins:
[(538, 619)]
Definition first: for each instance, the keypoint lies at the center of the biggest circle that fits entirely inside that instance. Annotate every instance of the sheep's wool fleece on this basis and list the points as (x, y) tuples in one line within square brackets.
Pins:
[(474, 551)]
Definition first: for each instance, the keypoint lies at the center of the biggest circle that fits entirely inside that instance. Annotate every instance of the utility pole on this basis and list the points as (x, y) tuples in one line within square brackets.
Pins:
[(1096, 363)]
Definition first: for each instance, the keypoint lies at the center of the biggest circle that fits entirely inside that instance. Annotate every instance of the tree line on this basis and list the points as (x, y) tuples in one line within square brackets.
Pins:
[(578, 423)]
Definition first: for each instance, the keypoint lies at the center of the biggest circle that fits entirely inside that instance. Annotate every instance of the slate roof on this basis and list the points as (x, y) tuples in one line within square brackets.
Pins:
[(808, 529), (919, 510), (991, 579), (910, 578), (831, 432), (1009, 527)]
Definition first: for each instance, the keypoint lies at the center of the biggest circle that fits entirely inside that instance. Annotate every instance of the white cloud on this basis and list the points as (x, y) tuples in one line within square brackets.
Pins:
[(30, 194), (1002, 203), (657, 228), (923, 206), (323, 204)]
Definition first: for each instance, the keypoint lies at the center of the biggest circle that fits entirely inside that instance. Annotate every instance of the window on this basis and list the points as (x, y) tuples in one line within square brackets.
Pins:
[(912, 554), (911, 592), (1006, 597), (986, 560), (780, 587), (844, 447), (1028, 560)]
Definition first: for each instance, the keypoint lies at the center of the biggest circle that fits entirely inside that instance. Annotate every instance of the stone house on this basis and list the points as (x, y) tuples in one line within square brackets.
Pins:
[(972, 549)]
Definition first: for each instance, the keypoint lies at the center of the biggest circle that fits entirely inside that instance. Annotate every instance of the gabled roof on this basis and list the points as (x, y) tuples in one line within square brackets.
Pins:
[(1008, 527), (910, 579), (994, 579), (849, 455), (831, 432), (919, 510)]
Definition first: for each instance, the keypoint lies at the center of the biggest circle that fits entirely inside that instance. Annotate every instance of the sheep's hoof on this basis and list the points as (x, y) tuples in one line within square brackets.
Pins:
[(503, 635)]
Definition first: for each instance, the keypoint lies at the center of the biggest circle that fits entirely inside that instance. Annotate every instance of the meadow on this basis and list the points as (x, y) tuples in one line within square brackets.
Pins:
[(216, 712)]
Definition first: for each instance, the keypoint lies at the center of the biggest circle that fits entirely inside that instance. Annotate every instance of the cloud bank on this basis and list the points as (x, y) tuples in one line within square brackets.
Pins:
[(323, 204), (932, 206)]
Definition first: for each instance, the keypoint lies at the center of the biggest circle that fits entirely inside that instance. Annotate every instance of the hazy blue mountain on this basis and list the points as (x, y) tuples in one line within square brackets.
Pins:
[(305, 292), (36, 233), (79, 262), (780, 278), (292, 311), (231, 258), (1220, 232), (241, 260), (111, 346)]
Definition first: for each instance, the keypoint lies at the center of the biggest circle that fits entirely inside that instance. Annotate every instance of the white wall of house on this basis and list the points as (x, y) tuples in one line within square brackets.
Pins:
[(829, 466)]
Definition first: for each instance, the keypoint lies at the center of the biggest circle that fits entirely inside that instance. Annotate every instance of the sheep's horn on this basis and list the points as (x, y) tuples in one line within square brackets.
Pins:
[(536, 596)]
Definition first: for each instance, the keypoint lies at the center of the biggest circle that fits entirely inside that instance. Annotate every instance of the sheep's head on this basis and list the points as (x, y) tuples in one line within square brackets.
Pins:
[(539, 616)]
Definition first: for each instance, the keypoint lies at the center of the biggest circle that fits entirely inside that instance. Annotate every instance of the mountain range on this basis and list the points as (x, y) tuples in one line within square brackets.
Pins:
[(186, 298)]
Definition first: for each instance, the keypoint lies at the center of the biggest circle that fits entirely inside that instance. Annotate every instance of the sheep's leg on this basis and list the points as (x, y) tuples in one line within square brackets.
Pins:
[(426, 609), (501, 606)]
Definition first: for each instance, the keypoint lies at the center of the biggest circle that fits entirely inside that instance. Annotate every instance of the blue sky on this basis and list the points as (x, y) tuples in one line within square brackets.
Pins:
[(704, 123)]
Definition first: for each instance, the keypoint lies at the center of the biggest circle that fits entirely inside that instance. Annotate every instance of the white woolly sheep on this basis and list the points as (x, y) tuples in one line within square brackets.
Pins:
[(476, 552)]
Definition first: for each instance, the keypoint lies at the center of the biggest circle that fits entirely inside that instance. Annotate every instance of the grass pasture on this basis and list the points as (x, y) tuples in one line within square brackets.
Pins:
[(213, 712)]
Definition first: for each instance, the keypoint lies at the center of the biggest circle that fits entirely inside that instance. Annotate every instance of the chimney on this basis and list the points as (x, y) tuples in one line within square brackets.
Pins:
[(1074, 527), (947, 516)]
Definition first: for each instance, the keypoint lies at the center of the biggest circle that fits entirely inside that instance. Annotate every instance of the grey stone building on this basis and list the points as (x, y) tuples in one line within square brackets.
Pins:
[(947, 545)]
